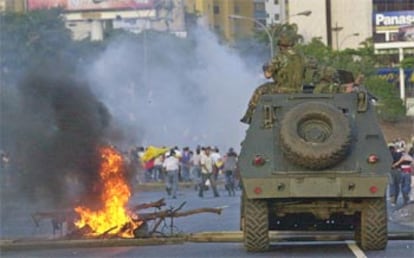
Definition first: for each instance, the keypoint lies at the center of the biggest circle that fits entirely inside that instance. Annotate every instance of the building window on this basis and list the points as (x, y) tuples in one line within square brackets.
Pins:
[(277, 17), (216, 9), (276, 2)]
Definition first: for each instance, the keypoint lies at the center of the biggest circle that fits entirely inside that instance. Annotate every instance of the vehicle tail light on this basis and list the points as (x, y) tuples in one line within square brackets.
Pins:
[(258, 190), (372, 159), (258, 161), (373, 189)]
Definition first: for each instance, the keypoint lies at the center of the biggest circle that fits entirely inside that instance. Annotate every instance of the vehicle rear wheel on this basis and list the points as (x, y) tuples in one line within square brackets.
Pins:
[(371, 233), (256, 225), (242, 197), (315, 135)]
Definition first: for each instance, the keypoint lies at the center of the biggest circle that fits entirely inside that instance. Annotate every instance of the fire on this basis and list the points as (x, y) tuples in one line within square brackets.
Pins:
[(113, 218)]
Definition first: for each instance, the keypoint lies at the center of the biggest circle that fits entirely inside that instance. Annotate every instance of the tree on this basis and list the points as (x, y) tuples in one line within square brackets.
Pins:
[(407, 63), (391, 107)]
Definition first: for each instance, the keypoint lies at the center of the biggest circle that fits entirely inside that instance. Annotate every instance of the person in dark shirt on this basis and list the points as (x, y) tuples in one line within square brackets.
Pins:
[(229, 168), (404, 165), (395, 176)]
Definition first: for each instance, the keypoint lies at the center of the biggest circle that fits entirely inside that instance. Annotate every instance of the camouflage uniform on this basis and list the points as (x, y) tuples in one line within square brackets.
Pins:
[(328, 82), (287, 70), (311, 76)]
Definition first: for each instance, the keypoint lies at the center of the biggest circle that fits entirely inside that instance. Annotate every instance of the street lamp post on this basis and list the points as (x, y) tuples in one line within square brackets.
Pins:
[(347, 37), (304, 13), (270, 34)]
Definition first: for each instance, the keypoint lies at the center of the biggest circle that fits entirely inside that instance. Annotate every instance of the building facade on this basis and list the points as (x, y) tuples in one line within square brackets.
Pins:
[(89, 18), (337, 23), (393, 35), (13, 5), (216, 14)]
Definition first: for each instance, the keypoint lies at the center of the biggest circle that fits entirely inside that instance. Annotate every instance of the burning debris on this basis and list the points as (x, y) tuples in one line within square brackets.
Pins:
[(113, 218), (139, 226)]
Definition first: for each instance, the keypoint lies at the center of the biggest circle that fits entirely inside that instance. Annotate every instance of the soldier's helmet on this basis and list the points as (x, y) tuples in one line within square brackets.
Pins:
[(329, 74), (285, 40), (287, 35), (311, 62)]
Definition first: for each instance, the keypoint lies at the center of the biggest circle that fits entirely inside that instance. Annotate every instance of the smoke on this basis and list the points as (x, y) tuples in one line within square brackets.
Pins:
[(155, 91), (56, 127), (175, 93)]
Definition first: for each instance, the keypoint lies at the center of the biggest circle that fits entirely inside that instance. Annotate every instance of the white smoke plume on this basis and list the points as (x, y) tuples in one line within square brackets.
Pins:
[(169, 97), (155, 92)]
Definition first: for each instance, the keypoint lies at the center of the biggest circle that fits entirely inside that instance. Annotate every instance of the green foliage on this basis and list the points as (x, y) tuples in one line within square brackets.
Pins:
[(407, 63), (358, 61), (361, 61), (390, 106), (317, 49)]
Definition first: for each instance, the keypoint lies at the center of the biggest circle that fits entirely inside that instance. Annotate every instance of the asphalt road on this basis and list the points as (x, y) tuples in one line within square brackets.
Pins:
[(18, 222)]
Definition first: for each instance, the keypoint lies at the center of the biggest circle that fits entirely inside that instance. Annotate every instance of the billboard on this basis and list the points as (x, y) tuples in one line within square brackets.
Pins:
[(45, 4), (86, 5), (393, 26), (392, 75)]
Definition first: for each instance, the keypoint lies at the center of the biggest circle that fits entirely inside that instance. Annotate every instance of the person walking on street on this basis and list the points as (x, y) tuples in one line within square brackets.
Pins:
[(404, 164), (171, 165), (195, 167), (206, 163), (395, 176), (185, 164), (217, 162), (229, 168), (157, 170)]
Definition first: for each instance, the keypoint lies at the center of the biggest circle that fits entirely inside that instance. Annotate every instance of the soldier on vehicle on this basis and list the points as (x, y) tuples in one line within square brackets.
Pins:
[(287, 70), (328, 81)]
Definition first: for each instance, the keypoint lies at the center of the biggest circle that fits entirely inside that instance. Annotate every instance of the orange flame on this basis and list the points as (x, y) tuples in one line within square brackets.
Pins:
[(115, 195)]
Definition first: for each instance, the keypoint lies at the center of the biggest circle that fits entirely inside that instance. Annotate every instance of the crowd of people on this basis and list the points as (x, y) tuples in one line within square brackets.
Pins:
[(401, 175), (202, 167)]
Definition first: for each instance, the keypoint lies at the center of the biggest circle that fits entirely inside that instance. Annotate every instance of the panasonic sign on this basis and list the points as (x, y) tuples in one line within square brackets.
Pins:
[(388, 19)]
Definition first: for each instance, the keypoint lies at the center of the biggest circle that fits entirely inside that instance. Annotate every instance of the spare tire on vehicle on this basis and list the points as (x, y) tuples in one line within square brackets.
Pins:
[(315, 135)]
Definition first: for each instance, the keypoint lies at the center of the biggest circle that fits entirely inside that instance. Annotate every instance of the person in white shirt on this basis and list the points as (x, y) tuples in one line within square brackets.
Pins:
[(217, 160), (157, 170), (206, 164), (195, 167), (171, 165), (229, 168)]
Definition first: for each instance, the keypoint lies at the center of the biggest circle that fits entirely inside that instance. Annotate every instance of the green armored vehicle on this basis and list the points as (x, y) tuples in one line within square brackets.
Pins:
[(314, 162)]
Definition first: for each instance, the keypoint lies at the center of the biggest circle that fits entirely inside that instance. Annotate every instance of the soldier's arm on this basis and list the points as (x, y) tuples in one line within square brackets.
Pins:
[(267, 74), (270, 67)]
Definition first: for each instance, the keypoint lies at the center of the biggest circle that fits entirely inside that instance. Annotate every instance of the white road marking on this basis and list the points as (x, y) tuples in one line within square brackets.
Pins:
[(355, 249)]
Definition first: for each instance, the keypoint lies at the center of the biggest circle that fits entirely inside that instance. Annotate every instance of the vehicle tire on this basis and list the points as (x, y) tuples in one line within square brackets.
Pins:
[(371, 233), (357, 234), (256, 225), (315, 135), (242, 197)]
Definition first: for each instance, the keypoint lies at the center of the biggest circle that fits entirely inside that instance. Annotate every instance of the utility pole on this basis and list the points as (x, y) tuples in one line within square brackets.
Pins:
[(337, 29)]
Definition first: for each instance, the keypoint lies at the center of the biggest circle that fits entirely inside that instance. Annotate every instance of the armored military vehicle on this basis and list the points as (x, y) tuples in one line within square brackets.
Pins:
[(314, 162)]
